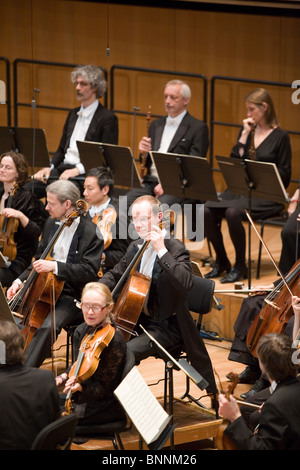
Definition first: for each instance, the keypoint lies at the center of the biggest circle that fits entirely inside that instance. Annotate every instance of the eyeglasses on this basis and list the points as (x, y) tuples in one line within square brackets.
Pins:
[(95, 307), (141, 220)]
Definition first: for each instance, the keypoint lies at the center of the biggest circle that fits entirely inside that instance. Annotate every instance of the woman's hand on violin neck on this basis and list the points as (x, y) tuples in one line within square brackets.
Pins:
[(75, 386), (44, 266), (228, 409)]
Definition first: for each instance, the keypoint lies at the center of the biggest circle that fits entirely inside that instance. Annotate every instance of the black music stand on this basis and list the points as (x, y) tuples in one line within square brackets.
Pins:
[(6, 139), (252, 178), (185, 176), (21, 139), (91, 154), (25, 139), (119, 159)]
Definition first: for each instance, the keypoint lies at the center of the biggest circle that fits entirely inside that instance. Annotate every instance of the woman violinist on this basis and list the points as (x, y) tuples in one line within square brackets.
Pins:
[(94, 400), (21, 217)]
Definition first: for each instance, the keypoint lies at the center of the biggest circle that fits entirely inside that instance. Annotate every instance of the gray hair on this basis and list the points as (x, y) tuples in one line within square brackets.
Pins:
[(64, 190), (93, 75), (185, 89)]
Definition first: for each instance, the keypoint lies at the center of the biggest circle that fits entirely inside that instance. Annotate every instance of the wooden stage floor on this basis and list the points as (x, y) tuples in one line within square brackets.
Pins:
[(197, 427)]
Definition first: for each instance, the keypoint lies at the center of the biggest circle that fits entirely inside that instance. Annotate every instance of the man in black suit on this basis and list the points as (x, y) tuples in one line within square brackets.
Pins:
[(166, 263), (29, 397), (178, 132), (279, 418), (75, 260), (91, 122)]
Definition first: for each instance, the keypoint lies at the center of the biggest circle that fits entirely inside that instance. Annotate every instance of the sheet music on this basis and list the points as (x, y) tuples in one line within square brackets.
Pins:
[(142, 407)]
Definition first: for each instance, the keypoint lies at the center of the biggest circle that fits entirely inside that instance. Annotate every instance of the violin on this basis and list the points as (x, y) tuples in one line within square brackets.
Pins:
[(144, 154), (41, 290), (130, 302), (104, 222), (9, 226), (223, 441), (88, 358)]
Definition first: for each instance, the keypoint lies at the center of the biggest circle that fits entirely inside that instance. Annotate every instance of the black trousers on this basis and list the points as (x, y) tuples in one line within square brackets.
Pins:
[(64, 313)]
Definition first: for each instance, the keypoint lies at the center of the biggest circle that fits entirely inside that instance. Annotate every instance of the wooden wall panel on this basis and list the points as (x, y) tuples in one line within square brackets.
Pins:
[(254, 46)]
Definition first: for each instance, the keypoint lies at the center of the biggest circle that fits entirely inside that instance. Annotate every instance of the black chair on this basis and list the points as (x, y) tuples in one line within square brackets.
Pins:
[(200, 301), (107, 431), (57, 435)]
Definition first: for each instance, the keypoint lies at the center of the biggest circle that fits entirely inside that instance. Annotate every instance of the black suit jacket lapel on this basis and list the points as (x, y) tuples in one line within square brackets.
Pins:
[(94, 124), (72, 122), (181, 131)]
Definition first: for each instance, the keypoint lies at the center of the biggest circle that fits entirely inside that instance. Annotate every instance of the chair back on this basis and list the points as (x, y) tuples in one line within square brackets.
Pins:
[(57, 435), (200, 297)]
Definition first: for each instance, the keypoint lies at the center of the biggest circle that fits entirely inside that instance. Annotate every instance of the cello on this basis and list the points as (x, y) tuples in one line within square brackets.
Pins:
[(277, 311), (41, 290), (88, 358), (9, 226), (130, 302)]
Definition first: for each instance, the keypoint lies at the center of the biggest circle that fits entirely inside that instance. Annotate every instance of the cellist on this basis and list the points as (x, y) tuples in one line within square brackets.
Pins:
[(93, 399), (75, 260), (20, 214), (165, 314)]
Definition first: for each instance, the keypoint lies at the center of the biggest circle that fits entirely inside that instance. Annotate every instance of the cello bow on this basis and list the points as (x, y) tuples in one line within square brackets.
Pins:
[(268, 251)]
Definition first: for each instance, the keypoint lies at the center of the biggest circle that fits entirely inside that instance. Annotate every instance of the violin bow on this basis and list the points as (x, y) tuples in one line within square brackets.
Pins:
[(268, 251)]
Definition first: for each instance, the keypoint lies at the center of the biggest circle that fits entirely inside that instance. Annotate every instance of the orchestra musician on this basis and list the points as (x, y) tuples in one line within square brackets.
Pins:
[(29, 396), (104, 211), (178, 132), (75, 260), (262, 139), (279, 418), (165, 314), (21, 217), (93, 398), (91, 122), (239, 352)]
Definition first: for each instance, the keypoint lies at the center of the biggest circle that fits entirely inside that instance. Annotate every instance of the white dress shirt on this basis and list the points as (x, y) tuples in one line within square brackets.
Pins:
[(85, 116), (170, 130)]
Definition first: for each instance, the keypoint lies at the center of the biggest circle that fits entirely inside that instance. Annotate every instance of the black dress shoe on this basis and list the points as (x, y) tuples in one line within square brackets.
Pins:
[(234, 275), (217, 270), (249, 375), (259, 385)]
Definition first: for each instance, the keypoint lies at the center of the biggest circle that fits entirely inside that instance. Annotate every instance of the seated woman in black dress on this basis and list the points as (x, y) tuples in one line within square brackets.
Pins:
[(20, 208), (94, 400), (271, 144)]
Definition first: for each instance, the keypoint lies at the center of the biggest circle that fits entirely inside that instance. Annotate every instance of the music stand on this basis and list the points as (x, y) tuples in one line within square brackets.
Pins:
[(185, 176), (252, 178), (119, 159), (25, 139), (6, 139), (91, 154)]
